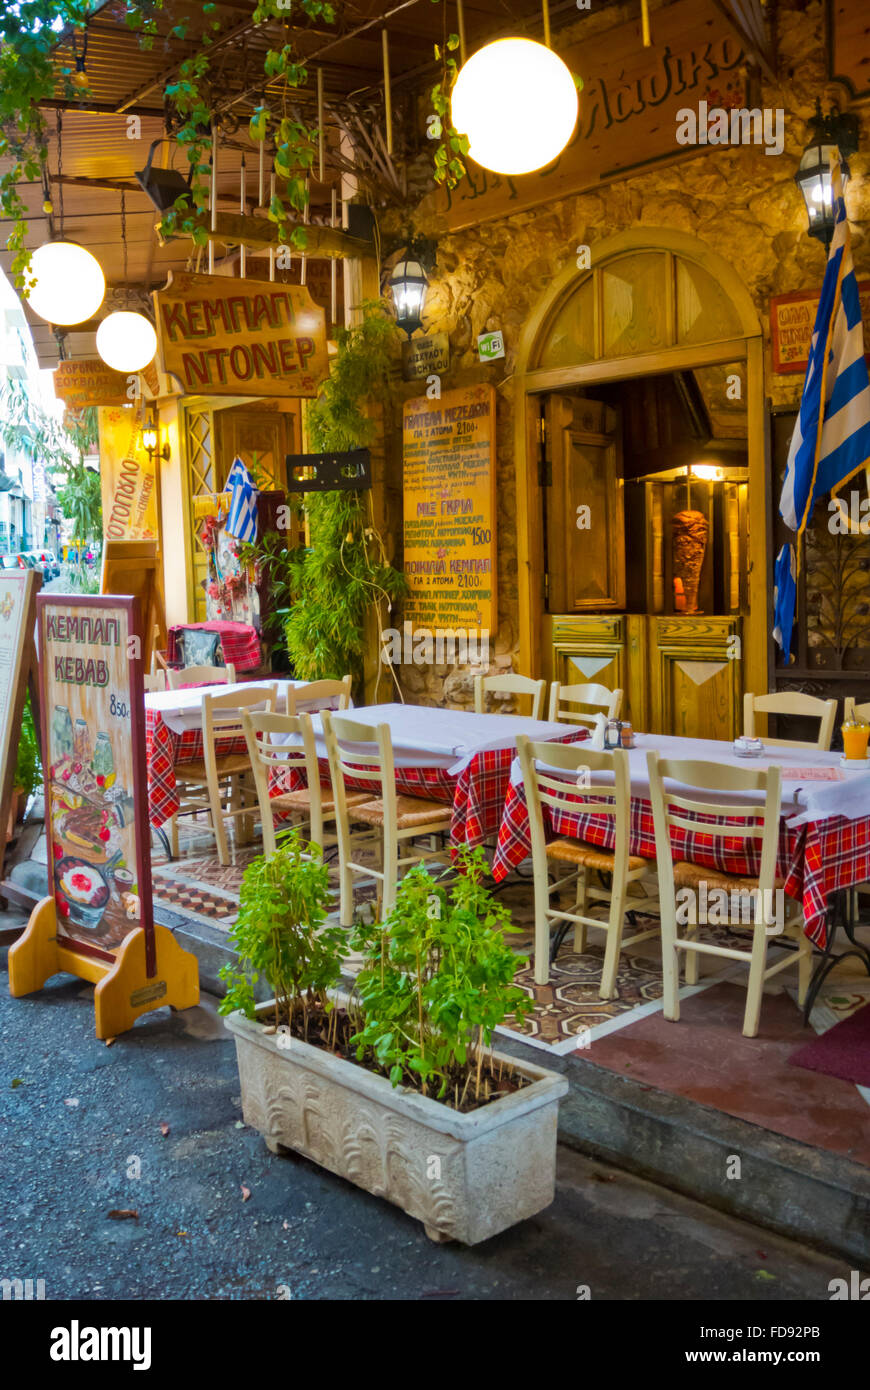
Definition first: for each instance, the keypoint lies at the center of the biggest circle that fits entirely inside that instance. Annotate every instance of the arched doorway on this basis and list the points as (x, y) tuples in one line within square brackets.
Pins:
[(655, 307)]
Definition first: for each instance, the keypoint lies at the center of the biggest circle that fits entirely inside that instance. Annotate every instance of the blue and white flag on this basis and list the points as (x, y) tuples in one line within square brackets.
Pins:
[(242, 520), (784, 596), (831, 439)]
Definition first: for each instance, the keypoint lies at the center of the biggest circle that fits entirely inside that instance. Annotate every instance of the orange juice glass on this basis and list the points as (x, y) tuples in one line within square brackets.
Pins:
[(855, 738)]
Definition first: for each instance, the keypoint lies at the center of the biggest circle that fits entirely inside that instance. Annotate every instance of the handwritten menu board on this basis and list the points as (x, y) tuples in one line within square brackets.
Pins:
[(449, 510), (95, 789), (17, 591)]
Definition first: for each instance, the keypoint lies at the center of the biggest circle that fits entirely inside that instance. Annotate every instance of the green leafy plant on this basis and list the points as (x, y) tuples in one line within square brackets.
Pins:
[(28, 768), (274, 564), (343, 574), (280, 936), (438, 980), (452, 148)]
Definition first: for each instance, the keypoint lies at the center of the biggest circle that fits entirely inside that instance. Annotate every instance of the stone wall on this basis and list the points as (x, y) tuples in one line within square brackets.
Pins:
[(742, 203)]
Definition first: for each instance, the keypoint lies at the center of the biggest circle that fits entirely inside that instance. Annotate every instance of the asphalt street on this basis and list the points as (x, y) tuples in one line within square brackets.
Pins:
[(151, 1125)]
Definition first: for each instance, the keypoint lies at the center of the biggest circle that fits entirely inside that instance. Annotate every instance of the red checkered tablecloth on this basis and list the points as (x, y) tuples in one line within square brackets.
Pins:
[(477, 795), (813, 860), (166, 750)]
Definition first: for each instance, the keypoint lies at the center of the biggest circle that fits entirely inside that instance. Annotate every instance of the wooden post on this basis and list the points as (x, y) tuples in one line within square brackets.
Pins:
[(320, 148), (388, 95), (242, 209)]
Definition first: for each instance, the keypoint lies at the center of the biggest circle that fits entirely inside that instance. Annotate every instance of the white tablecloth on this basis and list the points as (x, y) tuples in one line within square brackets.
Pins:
[(430, 737), (802, 798), (182, 709)]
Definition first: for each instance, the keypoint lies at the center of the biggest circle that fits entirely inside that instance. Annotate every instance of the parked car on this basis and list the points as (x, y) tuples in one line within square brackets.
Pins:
[(8, 562), (50, 567)]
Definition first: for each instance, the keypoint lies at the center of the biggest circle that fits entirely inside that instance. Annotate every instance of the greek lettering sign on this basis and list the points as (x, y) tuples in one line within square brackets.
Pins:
[(127, 478), (421, 356), (94, 756), (792, 319), (89, 382), (449, 510), (628, 109), (223, 337)]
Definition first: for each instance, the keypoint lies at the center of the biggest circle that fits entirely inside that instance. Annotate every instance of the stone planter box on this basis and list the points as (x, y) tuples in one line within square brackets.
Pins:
[(466, 1177)]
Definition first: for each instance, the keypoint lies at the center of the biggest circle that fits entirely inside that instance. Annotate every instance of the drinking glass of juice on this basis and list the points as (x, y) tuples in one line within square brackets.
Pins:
[(855, 738)]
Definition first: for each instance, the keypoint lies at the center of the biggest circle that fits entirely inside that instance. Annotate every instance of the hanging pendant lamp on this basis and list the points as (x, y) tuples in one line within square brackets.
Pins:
[(69, 284), (126, 339)]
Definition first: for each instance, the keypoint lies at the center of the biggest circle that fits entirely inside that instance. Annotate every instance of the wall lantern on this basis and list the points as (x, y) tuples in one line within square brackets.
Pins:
[(517, 103), (149, 437), (69, 283), (834, 134), (409, 283), (126, 341)]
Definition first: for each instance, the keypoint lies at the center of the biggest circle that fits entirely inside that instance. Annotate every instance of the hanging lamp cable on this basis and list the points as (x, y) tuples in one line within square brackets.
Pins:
[(60, 170)]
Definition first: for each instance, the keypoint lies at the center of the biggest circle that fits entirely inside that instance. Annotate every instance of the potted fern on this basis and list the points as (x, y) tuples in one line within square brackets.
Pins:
[(394, 1084)]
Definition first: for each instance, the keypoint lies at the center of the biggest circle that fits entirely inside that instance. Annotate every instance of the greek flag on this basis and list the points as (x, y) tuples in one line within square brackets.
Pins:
[(242, 520), (831, 439)]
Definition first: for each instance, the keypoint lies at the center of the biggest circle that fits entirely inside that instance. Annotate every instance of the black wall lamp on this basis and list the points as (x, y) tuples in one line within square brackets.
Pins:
[(149, 436), (409, 281), (834, 134)]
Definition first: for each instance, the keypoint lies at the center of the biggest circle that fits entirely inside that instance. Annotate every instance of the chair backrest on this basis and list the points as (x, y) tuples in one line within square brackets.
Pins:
[(319, 690), (265, 735), (792, 702), (201, 675), (361, 752), (852, 711), (570, 788), (155, 681), (675, 806), (510, 684), (592, 699), (222, 714)]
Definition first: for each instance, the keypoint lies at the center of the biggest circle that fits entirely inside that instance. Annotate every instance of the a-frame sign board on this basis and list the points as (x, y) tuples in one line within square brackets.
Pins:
[(98, 922), (17, 664)]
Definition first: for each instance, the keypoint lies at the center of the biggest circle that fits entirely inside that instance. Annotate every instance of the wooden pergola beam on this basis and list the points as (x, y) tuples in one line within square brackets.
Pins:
[(259, 234)]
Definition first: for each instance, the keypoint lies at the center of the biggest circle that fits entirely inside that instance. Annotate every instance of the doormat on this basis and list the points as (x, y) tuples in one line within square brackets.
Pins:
[(842, 1051)]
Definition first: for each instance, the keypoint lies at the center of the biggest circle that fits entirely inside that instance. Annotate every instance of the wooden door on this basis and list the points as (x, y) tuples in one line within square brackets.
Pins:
[(696, 676), (585, 535)]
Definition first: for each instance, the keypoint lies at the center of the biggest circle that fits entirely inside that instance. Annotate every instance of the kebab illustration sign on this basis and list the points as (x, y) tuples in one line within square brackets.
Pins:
[(241, 337), (98, 921)]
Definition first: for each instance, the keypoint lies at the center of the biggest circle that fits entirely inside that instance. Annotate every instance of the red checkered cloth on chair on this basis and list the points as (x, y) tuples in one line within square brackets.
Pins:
[(813, 860), (239, 642)]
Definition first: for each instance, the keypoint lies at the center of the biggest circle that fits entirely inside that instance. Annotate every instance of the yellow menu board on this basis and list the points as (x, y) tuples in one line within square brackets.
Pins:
[(449, 510)]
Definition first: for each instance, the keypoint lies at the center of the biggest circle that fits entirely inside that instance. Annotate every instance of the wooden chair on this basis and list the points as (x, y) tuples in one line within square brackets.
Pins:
[(509, 684), (218, 783), (201, 675), (156, 680), (791, 702), (270, 753), (593, 699), (853, 711), (393, 819), (570, 789), (319, 690), (746, 822)]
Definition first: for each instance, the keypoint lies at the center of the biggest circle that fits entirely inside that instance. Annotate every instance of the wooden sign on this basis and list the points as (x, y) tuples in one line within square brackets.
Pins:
[(792, 320), (17, 626), (133, 567), (98, 922), (350, 471), (89, 381), (222, 337), (450, 510), (422, 356), (848, 45), (128, 477), (628, 109)]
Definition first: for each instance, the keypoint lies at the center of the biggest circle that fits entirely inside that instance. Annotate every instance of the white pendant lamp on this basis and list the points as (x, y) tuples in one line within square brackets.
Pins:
[(517, 103), (69, 284), (126, 341)]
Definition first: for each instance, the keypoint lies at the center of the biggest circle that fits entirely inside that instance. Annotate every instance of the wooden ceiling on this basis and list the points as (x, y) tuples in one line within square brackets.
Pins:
[(102, 148)]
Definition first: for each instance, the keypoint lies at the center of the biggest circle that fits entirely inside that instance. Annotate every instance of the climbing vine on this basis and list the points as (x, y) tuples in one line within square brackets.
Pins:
[(344, 574), (30, 32)]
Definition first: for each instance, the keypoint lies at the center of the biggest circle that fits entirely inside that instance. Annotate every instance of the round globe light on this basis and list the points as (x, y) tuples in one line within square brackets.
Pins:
[(517, 103), (126, 341), (69, 284)]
